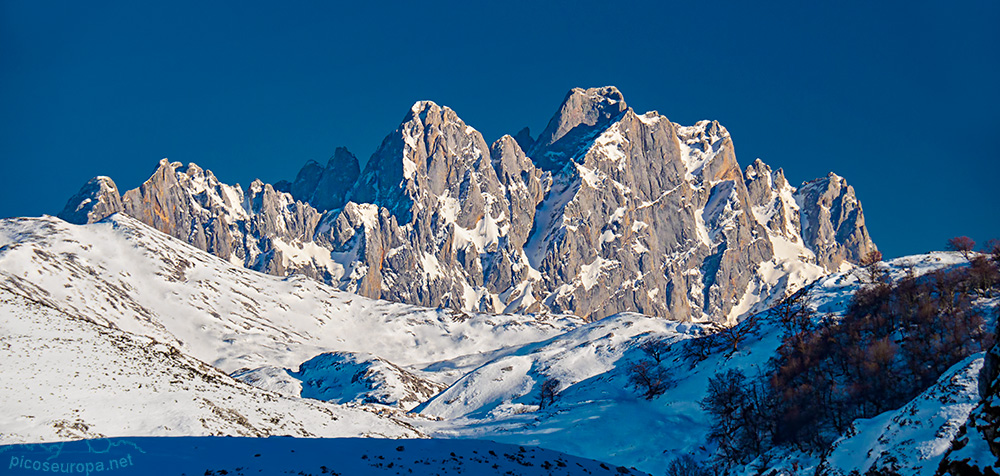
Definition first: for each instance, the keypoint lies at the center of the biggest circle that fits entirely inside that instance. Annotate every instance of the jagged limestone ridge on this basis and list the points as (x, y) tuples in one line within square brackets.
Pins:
[(611, 211)]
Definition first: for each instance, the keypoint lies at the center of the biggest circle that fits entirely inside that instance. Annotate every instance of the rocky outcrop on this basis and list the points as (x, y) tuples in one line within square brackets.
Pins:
[(610, 211), (976, 448), (187, 203), (833, 224), (440, 233), (773, 201), (523, 185), (524, 139), (261, 229), (824, 215), (97, 199)]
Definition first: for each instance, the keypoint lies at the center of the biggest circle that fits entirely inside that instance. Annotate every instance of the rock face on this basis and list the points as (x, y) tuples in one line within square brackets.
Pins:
[(650, 217), (261, 228), (823, 215), (610, 211), (583, 114), (97, 199), (772, 198), (440, 231), (833, 224)]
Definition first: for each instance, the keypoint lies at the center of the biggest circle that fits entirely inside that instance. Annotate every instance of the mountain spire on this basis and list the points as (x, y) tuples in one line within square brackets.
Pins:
[(583, 113)]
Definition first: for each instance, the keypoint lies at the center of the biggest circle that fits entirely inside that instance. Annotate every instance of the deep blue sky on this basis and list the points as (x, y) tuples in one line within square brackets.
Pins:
[(901, 99)]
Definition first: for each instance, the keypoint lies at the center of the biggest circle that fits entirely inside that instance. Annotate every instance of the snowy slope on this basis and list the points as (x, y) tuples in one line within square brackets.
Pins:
[(110, 300), (597, 413), (364, 378), (63, 378), (123, 274), (221, 456), (512, 382), (913, 438)]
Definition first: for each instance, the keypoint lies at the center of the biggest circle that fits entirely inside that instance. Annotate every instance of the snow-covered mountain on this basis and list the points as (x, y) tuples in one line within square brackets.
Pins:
[(114, 318), (122, 274), (581, 292), (607, 211), (66, 377), (599, 414)]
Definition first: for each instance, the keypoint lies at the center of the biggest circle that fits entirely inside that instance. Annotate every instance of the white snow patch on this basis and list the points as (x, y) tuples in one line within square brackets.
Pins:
[(308, 253), (609, 144), (607, 236), (589, 273)]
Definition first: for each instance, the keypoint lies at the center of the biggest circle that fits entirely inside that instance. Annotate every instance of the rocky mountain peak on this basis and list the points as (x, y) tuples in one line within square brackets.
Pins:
[(772, 199), (524, 139), (432, 154), (608, 211), (583, 113), (833, 223), (762, 182), (523, 185), (708, 152), (97, 199), (306, 180), (342, 158)]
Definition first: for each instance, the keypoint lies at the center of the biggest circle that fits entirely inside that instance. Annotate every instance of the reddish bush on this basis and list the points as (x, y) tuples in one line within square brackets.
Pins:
[(962, 244)]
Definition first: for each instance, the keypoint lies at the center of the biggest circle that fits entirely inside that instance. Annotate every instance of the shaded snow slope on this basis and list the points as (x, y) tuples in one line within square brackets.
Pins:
[(512, 382), (220, 456), (344, 377), (596, 413), (914, 438)]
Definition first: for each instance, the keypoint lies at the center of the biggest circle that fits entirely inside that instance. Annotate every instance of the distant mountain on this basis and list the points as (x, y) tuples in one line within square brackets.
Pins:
[(607, 211)]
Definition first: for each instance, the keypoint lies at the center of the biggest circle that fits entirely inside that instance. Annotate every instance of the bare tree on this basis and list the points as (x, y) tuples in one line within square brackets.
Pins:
[(872, 262), (549, 392), (992, 247), (983, 274), (656, 347), (649, 378), (734, 335), (687, 466), (962, 244), (725, 401), (699, 348), (794, 312)]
